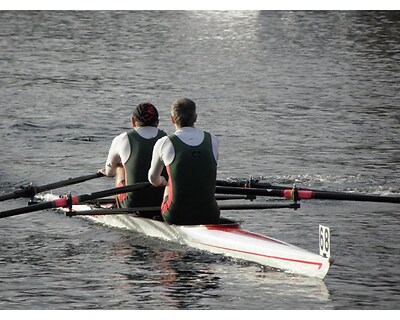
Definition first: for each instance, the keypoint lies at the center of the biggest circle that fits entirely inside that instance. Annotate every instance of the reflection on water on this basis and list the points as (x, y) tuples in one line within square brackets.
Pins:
[(167, 275), (187, 283), (183, 278)]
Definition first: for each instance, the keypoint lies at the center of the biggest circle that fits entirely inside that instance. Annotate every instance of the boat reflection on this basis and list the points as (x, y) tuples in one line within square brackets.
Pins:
[(160, 273)]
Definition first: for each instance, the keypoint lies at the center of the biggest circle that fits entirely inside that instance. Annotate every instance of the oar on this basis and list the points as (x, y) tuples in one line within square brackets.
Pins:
[(298, 194), (103, 212), (335, 195), (71, 200), (250, 206), (252, 184), (234, 197), (31, 190), (217, 197)]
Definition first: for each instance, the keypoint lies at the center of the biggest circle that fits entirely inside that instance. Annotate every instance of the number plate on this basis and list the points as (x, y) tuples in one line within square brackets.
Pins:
[(324, 241)]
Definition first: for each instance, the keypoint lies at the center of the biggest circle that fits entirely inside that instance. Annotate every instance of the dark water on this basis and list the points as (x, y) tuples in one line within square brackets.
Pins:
[(305, 97)]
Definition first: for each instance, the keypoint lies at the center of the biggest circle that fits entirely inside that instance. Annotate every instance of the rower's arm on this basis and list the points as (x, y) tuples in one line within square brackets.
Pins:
[(113, 158), (157, 165)]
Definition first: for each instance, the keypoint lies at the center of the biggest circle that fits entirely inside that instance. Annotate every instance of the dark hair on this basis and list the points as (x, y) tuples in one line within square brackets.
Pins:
[(184, 112), (146, 114)]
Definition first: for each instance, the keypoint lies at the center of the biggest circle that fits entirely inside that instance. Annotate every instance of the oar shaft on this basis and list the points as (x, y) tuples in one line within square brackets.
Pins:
[(31, 208), (218, 197), (31, 190), (68, 182), (65, 202), (113, 191), (249, 184), (249, 191), (15, 194), (249, 206), (59, 203), (253, 206), (101, 194), (308, 194), (234, 197), (325, 195), (103, 212)]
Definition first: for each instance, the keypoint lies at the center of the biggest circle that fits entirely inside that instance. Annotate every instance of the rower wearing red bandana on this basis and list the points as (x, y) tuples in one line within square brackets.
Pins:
[(129, 159)]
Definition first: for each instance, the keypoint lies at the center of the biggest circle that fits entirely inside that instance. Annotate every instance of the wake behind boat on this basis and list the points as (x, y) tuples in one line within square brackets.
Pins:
[(226, 238)]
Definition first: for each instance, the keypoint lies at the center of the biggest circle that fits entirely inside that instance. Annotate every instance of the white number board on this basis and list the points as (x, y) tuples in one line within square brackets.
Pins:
[(324, 241)]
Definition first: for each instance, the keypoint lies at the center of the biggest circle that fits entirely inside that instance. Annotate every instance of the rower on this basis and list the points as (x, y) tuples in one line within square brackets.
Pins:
[(129, 159), (190, 156)]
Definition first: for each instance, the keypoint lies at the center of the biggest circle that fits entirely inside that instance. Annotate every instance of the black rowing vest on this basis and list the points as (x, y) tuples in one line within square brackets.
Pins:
[(192, 179), (136, 170)]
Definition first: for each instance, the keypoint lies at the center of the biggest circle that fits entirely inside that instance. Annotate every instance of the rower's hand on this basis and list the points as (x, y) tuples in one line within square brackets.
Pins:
[(102, 171), (163, 182)]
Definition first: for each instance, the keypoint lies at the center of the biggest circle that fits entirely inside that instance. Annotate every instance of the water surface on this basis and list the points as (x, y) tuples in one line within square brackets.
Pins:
[(293, 97)]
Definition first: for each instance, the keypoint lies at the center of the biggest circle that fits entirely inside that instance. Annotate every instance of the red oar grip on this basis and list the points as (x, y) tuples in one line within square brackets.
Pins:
[(301, 194), (63, 202)]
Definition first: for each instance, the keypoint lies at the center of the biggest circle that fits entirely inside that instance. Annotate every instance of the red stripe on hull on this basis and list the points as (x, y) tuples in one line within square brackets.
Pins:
[(319, 264), (235, 228)]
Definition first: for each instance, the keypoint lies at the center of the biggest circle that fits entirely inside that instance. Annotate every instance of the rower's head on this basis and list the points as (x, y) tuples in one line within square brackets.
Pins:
[(145, 114), (183, 113)]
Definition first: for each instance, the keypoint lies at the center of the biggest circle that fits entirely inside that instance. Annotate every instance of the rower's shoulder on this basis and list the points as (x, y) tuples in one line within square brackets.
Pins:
[(160, 142), (120, 137), (214, 139)]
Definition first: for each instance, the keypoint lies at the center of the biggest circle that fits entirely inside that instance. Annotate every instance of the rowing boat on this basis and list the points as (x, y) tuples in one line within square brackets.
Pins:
[(226, 238)]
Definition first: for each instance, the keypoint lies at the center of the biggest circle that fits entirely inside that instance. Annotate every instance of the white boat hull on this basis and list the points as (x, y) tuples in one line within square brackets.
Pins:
[(227, 239)]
